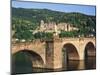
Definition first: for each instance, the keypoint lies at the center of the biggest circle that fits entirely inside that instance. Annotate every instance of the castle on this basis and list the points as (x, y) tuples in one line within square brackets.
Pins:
[(53, 27)]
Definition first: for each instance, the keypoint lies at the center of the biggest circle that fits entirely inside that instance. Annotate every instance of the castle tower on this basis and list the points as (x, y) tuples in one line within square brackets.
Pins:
[(65, 27), (55, 30), (68, 27), (42, 25)]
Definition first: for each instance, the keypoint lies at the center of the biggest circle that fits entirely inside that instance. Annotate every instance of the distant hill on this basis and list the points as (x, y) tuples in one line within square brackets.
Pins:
[(29, 19), (36, 15)]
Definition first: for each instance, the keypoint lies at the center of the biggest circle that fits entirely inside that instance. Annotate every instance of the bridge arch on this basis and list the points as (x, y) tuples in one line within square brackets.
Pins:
[(27, 60), (90, 55), (70, 55), (71, 51), (90, 50)]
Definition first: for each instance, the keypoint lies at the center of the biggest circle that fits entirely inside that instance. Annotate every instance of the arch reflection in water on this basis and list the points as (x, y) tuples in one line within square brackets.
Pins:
[(90, 56), (70, 57), (26, 61)]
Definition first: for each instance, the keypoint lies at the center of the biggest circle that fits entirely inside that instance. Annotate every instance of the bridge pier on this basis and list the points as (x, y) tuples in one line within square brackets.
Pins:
[(57, 54), (81, 49), (81, 55), (53, 54)]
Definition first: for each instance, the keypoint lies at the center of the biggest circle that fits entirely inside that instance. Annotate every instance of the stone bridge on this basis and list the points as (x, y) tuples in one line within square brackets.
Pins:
[(52, 53)]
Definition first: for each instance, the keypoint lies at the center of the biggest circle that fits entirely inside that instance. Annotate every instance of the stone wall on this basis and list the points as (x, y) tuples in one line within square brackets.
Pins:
[(51, 50)]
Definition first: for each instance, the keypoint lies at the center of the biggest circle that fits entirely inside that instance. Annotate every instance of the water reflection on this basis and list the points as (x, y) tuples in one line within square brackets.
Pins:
[(90, 63), (72, 64)]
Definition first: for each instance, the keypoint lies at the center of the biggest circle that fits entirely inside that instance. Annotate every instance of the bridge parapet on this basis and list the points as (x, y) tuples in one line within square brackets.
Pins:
[(77, 39)]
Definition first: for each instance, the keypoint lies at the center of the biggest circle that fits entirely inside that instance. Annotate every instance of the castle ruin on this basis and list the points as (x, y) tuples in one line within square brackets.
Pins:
[(53, 27)]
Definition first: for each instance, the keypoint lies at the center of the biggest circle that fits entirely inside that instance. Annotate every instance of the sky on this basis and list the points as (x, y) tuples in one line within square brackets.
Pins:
[(85, 9)]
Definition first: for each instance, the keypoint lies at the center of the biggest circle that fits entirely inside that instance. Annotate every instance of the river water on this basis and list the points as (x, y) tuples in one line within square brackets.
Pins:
[(89, 63)]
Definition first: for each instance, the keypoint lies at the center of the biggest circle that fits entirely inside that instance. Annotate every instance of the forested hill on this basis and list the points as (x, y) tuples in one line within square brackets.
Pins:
[(36, 15), (29, 19)]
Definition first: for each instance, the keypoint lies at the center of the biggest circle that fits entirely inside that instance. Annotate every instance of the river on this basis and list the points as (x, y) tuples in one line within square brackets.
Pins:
[(89, 63)]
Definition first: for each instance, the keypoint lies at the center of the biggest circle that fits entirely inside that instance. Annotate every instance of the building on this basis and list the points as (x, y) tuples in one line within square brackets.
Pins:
[(52, 27)]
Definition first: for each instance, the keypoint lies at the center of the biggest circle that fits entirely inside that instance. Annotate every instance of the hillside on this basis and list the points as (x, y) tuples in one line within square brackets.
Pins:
[(27, 20)]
